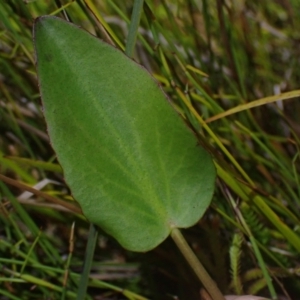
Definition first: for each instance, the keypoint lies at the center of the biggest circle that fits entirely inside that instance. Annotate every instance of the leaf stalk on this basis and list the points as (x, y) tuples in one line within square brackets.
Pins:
[(196, 265)]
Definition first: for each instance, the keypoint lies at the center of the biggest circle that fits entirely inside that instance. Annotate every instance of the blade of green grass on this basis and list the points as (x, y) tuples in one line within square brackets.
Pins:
[(88, 260), (134, 26)]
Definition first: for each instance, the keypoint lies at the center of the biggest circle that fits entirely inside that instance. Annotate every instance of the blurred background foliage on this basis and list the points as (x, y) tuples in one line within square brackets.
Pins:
[(209, 57)]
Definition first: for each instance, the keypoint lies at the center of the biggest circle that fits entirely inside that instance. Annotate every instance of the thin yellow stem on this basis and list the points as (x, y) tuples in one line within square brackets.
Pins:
[(196, 265)]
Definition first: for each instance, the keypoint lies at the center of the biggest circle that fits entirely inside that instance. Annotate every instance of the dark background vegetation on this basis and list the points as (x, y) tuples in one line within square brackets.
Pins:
[(208, 55)]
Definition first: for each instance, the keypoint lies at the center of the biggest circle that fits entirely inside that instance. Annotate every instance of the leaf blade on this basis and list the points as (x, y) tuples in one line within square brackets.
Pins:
[(150, 169)]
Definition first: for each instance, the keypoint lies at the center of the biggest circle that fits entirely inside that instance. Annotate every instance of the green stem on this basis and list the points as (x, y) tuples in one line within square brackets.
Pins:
[(196, 265), (134, 25)]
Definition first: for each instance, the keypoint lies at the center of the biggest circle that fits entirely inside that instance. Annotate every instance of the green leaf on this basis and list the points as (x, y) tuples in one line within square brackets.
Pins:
[(134, 167)]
